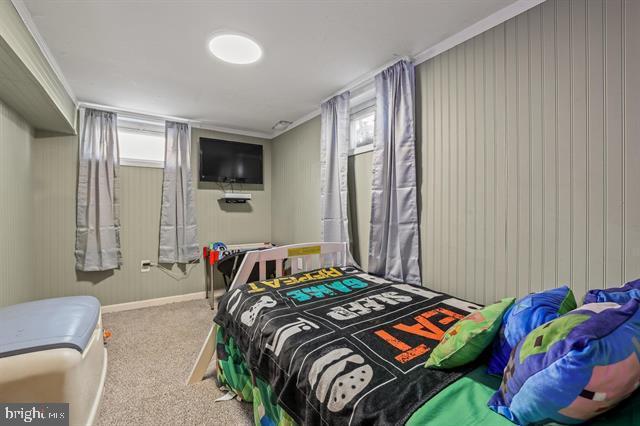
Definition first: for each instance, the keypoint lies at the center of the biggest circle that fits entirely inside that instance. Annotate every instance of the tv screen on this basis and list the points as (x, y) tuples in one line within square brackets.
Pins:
[(233, 162)]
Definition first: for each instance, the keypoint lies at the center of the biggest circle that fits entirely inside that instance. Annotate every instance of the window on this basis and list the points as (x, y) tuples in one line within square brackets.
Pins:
[(141, 142), (362, 130)]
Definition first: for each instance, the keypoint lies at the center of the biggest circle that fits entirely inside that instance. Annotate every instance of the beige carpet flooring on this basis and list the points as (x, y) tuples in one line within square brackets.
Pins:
[(150, 356)]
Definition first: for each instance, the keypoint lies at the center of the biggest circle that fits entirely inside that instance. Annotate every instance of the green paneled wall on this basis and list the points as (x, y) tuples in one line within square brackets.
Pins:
[(17, 260), (296, 185), (54, 186), (527, 141)]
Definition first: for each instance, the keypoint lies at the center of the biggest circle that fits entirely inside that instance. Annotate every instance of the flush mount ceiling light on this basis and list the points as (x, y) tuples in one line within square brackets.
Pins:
[(235, 48)]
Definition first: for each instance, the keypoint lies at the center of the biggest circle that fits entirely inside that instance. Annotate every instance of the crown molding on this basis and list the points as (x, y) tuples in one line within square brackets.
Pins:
[(139, 114), (366, 80), (25, 15), (27, 19), (241, 132), (133, 113), (366, 92), (495, 19), (296, 123)]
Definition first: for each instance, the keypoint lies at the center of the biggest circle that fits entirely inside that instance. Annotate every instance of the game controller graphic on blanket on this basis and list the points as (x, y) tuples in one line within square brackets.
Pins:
[(336, 388), (287, 331), (249, 316)]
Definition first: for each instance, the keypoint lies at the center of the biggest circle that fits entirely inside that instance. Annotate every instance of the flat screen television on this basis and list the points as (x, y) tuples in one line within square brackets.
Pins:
[(233, 162)]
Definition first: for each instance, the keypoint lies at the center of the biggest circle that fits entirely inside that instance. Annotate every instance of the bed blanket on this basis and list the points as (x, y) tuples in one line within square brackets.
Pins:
[(339, 346)]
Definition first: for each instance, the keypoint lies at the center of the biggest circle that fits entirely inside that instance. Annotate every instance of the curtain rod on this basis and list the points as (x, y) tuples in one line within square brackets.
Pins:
[(135, 113)]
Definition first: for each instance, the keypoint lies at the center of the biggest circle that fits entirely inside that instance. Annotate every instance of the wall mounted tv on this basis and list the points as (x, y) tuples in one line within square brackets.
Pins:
[(232, 162)]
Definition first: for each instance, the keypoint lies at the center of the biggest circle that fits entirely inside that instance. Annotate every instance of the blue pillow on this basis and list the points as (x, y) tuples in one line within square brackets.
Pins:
[(619, 295), (573, 368), (525, 315)]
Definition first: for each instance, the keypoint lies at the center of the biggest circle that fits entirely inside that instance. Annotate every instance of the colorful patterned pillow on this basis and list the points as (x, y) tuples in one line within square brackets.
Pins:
[(620, 295), (469, 337), (574, 367), (526, 314)]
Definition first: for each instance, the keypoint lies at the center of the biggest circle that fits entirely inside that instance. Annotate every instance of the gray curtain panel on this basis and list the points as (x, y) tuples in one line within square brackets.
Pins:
[(178, 228), (394, 247), (334, 149), (98, 208)]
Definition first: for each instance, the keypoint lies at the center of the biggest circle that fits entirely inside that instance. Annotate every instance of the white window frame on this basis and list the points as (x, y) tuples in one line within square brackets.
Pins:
[(359, 110), (138, 162), (129, 124)]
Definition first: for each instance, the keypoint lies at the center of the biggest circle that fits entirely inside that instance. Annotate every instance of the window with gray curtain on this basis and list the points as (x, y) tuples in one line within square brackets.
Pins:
[(178, 228), (334, 149), (394, 245), (97, 204)]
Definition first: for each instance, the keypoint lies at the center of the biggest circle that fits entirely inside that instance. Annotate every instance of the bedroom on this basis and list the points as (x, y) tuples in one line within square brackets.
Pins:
[(505, 167)]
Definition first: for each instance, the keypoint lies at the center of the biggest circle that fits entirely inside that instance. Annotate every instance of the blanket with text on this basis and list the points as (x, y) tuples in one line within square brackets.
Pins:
[(339, 346)]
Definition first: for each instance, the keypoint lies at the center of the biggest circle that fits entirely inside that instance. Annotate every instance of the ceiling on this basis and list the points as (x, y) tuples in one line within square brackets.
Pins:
[(152, 55)]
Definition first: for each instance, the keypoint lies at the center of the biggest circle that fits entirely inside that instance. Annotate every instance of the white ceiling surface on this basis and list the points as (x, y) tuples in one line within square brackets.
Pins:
[(152, 55)]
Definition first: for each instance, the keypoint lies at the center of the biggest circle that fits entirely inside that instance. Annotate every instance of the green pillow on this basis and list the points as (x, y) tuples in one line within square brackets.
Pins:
[(468, 338)]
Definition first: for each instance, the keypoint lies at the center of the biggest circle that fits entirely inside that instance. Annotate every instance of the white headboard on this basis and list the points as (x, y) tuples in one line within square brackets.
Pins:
[(303, 257)]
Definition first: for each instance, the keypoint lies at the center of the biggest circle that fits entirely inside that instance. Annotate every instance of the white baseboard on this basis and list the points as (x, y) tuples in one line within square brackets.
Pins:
[(153, 302)]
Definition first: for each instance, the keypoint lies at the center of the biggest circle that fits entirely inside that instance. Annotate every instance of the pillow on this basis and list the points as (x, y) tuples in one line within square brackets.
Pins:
[(469, 337), (620, 295), (574, 367), (526, 314)]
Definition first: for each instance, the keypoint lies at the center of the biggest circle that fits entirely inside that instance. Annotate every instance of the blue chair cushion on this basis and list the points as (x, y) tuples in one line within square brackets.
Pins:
[(64, 322)]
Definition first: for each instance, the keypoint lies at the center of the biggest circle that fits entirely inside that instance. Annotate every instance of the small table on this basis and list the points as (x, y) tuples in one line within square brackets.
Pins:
[(210, 269)]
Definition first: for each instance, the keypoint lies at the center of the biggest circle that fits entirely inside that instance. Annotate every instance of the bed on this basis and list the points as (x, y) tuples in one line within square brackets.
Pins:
[(330, 344)]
